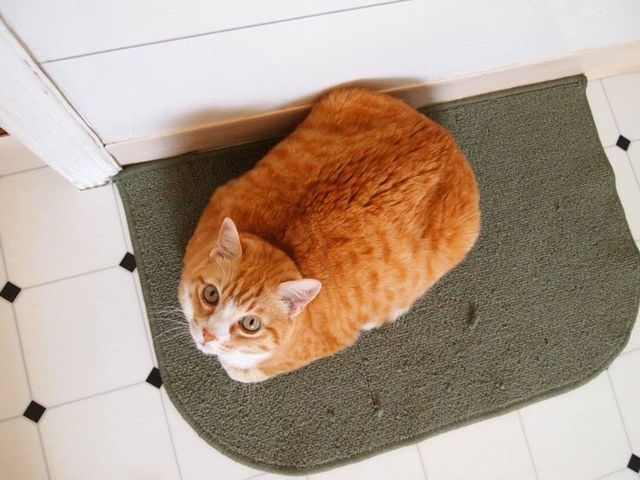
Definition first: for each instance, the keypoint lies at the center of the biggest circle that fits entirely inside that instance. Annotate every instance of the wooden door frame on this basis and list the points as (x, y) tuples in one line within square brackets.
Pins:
[(33, 110)]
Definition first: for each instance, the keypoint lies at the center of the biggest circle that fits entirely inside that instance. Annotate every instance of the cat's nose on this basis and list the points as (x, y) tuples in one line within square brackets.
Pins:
[(207, 335)]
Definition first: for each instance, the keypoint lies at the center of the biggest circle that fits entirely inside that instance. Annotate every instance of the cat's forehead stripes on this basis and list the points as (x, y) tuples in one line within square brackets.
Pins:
[(245, 297)]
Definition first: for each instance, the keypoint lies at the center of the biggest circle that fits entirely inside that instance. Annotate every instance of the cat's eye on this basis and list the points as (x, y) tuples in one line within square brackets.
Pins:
[(251, 323), (210, 295)]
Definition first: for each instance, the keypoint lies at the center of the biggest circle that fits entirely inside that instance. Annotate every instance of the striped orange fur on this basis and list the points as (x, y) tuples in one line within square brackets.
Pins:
[(367, 196)]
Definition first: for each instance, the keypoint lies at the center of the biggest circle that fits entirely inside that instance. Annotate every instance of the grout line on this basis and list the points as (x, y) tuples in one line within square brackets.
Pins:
[(615, 397), (24, 171), (424, 468), (629, 351), (635, 174), (593, 113), (225, 30), (526, 440), (173, 443), (22, 354), (252, 477), (606, 475), (83, 274), (75, 400), (44, 453), (8, 419), (613, 114), (617, 75)]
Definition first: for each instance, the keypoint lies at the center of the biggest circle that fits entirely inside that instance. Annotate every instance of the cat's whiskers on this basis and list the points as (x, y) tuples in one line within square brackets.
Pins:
[(178, 329), (168, 310), (177, 316)]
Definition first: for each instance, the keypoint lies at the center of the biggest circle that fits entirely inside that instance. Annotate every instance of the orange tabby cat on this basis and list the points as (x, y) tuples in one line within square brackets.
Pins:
[(339, 229)]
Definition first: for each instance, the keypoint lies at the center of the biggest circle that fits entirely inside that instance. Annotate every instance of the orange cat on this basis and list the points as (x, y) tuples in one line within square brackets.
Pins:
[(339, 229)]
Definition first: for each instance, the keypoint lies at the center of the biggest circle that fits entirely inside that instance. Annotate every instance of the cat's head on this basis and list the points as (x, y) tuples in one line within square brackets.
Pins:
[(244, 297)]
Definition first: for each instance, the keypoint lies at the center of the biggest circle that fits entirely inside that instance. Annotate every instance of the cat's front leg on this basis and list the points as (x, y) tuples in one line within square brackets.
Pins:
[(245, 375)]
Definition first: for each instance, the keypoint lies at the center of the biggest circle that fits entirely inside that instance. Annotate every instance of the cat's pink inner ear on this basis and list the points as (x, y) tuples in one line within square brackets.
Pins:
[(228, 244), (297, 294)]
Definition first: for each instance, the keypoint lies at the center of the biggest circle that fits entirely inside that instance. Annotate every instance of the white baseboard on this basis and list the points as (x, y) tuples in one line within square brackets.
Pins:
[(595, 63), (34, 111)]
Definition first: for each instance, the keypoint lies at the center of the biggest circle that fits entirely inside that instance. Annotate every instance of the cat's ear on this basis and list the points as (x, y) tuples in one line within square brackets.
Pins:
[(297, 294), (228, 243)]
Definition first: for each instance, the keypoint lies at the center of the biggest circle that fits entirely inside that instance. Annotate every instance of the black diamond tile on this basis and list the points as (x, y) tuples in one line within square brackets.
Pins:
[(634, 463), (34, 411), (10, 291), (128, 262), (623, 142), (154, 378)]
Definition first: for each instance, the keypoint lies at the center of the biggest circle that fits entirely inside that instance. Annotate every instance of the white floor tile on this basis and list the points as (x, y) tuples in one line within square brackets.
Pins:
[(14, 157), (14, 389), (578, 435), (120, 435), (627, 186), (623, 92), (625, 474), (83, 336), (634, 158), (602, 115), (145, 316), (197, 459), (123, 218), (634, 339), (481, 448), (20, 453), (625, 377), (54, 226), (399, 464)]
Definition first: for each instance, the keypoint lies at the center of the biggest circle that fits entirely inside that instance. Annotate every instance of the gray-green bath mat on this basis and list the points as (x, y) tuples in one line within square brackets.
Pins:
[(544, 302)]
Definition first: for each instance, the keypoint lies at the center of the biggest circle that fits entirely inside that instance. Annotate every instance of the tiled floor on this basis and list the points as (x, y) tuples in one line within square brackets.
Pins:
[(80, 398)]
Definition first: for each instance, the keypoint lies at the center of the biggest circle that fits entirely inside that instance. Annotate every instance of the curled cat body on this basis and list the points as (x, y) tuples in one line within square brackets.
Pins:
[(337, 230)]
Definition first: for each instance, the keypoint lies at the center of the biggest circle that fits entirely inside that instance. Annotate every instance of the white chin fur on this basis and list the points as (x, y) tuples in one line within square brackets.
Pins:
[(238, 360), (242, 360)]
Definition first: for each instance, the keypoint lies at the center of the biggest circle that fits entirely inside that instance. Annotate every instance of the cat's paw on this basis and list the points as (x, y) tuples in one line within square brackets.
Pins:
[(249, 375), (369, 326), (398, 313)]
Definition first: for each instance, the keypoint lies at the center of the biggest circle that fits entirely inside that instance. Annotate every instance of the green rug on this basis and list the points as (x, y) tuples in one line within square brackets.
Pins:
[(544, 302)]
